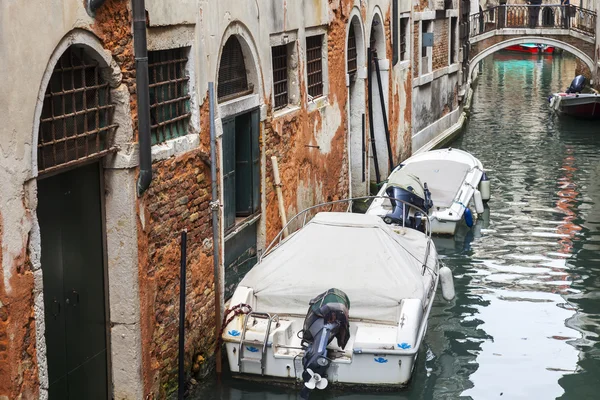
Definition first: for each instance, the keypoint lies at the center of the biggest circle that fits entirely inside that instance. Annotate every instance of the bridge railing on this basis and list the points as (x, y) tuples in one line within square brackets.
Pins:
[(534, 16)]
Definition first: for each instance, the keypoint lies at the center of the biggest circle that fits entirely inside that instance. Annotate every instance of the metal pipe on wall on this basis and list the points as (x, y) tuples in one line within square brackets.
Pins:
[(370, 105), (182, 289), (140, 47), (215, 207), (279, 196), (384, 113)]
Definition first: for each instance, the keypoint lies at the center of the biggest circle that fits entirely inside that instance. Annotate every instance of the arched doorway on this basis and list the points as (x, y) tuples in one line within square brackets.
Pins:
[(76, 130), (358, 141), (379, 109), (239, 103)]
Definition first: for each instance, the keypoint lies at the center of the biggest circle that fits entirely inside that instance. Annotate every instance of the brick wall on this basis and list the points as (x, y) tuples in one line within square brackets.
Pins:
[(440, 43), (177, 199)]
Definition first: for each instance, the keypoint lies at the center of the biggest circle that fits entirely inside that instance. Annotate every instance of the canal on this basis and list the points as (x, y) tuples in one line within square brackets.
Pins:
[(526, 320)]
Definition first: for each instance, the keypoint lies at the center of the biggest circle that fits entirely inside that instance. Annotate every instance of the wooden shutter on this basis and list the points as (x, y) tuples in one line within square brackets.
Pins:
[(255, 137), (229, 172), (243, 166)]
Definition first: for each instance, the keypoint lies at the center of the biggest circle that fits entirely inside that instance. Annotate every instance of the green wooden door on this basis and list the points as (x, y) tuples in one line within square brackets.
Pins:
[(70, 218), (243, 166), (229, 172)]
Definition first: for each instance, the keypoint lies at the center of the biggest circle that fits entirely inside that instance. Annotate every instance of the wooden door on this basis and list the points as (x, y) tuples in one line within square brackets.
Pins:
[(70, 218)]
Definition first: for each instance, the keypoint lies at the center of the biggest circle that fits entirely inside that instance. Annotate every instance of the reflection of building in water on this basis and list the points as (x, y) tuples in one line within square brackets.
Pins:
[(567, 196)]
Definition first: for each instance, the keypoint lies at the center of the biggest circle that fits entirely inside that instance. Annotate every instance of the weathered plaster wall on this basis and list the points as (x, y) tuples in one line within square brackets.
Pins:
[(309, 138), (435, 100)]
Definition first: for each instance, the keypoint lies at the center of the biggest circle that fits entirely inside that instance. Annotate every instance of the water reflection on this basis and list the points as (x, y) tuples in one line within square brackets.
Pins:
[(527, 315)]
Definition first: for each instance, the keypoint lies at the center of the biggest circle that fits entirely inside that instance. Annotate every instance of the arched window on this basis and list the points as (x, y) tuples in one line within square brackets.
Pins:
[(352, 64), (76, 124), (233, 81)]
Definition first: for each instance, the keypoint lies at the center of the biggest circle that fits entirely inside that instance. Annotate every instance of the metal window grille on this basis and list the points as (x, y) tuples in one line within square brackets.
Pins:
[(314, 64), (233, 81), (280, 76), (169, 94), (453, 26), (403, 36), (352, 64), (76, 122)]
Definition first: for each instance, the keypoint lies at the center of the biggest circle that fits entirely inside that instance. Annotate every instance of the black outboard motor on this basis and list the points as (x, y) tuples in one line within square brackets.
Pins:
[(327, 317), (400, 212), (577, 85)]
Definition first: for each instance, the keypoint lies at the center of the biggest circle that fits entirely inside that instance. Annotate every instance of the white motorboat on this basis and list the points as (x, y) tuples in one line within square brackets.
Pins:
[(449, 184), (384, 278)]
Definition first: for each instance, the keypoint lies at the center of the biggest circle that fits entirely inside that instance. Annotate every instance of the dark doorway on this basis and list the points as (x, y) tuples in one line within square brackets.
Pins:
[(241, 193), (70, 218)]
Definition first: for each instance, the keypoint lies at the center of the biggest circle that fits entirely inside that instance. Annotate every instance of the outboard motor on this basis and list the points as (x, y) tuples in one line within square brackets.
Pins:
[(327, 318), (400, 212), (577, 85)]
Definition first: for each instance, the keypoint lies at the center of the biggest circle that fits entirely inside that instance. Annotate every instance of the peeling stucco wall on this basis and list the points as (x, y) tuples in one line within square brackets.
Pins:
[(309, 138)]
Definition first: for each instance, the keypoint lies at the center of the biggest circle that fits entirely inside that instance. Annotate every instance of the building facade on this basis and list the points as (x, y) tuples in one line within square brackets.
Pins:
[(90, 266)]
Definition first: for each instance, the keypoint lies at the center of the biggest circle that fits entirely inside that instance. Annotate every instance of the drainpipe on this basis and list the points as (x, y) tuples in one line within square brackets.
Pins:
[(216, 210), (143, 94)]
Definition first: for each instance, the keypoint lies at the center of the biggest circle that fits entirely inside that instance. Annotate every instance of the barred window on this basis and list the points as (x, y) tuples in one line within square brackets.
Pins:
[(453, 40), (233, 81), (279, 55), (403, 38), (169, 94), (76, 124), (314, 65), (352, 63)]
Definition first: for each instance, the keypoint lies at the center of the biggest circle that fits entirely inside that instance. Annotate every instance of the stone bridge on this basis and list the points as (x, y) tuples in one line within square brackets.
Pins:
[(572, 29)]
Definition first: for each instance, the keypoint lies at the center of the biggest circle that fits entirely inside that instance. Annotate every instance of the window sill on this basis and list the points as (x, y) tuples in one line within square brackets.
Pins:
[(289, 109), (423, 79), (241, 225), (238, 105), (175, 147), (318, 103), (404, 64)]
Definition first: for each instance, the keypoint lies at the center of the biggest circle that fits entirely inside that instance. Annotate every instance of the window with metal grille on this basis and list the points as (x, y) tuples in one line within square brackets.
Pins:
[(169, 94), (352, 64), (279, 55), (314, 65), (453, 40), (76, 122), (233, 81), (403, 38)]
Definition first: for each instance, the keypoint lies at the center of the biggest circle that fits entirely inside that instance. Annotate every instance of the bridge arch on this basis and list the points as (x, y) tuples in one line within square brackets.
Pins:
[(532, 39)]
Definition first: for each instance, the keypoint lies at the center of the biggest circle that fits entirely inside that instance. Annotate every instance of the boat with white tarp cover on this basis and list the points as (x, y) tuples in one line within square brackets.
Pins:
[(450, 185), (365, 283)]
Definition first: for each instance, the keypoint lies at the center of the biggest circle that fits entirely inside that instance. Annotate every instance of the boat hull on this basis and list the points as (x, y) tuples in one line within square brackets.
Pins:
[(584, 106), (383, 370), (531, 49)]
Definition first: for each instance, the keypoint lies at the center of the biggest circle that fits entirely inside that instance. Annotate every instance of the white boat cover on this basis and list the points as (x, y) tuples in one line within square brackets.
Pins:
[(443, 178), (359, 254)]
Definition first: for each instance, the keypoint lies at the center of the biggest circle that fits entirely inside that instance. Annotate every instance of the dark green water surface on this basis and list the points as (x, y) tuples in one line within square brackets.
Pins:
[(526, 320)]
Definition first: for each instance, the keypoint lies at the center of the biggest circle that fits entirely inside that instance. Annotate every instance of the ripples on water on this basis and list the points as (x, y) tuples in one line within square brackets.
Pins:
[(525, 323)]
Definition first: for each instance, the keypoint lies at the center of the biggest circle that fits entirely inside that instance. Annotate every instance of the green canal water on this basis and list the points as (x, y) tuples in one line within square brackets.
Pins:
[(526, 320)]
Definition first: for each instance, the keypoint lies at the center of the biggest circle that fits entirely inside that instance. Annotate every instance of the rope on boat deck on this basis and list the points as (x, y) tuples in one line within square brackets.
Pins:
[(239, 309)]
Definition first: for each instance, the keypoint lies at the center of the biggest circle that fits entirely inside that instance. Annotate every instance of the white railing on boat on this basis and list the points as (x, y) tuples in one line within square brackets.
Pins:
[(332, 204)]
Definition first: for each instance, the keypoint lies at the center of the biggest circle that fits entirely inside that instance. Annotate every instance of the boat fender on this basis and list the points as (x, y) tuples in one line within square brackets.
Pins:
[(478, 202), (468, 217), (447, 281), (485, 187)]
